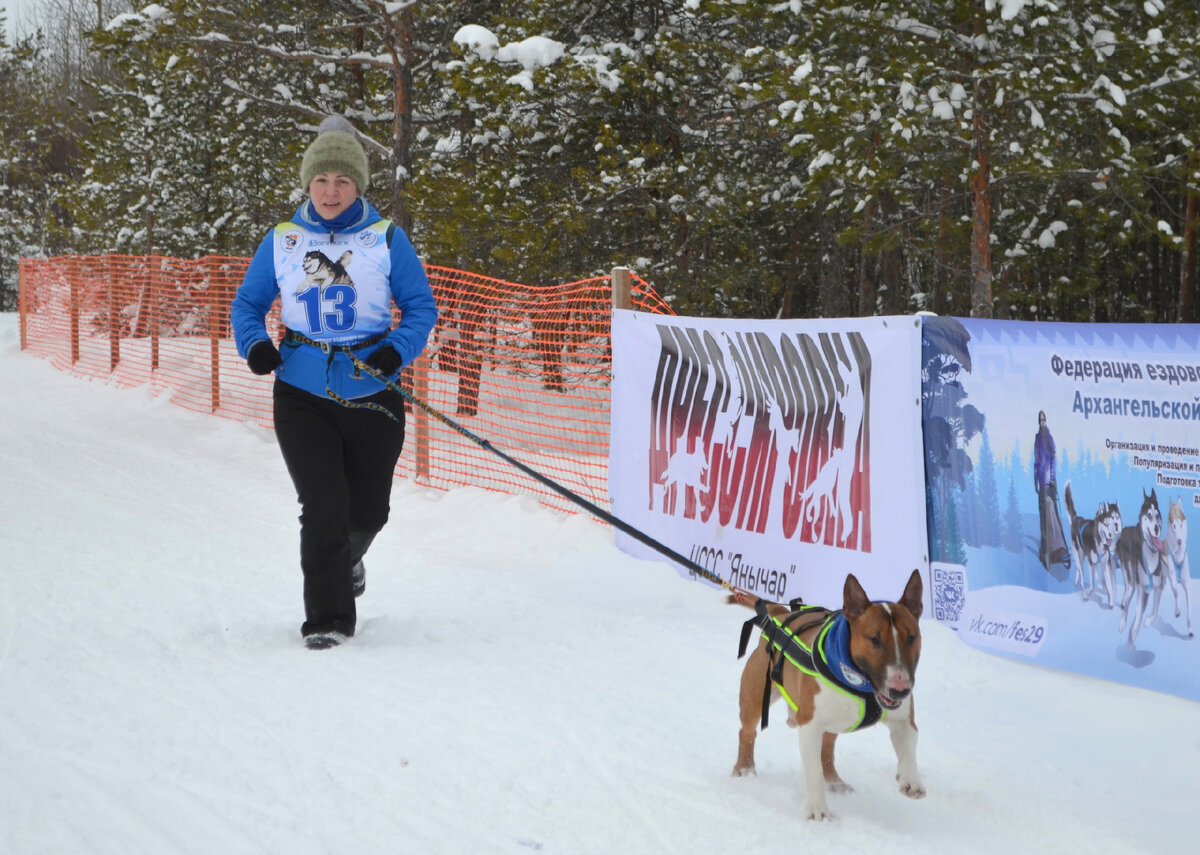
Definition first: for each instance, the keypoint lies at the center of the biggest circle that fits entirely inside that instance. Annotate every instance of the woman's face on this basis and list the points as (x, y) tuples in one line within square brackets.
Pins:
[(332, 193)]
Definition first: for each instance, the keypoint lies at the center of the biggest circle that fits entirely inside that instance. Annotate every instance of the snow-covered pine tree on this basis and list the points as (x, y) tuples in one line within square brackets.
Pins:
[(177, 165), (960, 130), (38, 142), (620, 133)]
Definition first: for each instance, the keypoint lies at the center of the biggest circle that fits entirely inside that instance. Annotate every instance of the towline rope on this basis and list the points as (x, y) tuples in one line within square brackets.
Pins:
[(565, 492)]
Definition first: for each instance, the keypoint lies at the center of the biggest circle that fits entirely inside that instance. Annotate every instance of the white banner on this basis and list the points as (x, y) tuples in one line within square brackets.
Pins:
[(778, 455)]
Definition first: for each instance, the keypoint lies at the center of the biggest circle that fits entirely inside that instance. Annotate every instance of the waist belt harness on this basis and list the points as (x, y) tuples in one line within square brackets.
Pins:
[(331, 350), (827, 660)]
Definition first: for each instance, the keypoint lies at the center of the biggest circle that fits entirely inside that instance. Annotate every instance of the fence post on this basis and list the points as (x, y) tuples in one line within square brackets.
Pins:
[(420, 385), (622, 298), (622, 288), (73, 284), (420, 426), (214, 330), (22, 304), (155, 285), (114, 332)]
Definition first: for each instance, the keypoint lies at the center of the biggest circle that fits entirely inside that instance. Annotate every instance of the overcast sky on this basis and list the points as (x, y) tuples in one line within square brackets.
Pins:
[(21, 13)]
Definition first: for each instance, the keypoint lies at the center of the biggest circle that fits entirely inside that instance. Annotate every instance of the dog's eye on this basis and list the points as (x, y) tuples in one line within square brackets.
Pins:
[(875, 641)]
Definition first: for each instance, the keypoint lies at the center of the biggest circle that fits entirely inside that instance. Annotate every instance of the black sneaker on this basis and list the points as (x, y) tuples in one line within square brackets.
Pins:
[(323, 640), (358, 578)]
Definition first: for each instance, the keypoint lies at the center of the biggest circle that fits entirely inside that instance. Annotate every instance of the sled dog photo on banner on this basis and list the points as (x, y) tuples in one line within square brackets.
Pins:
[(780, 455)]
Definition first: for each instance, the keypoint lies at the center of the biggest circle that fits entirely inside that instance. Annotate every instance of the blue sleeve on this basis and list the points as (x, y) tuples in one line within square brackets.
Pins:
[(414, 298), (254, 297)]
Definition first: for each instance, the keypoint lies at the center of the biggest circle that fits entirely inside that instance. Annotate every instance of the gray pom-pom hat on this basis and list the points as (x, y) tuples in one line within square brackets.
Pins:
[(336, 149)]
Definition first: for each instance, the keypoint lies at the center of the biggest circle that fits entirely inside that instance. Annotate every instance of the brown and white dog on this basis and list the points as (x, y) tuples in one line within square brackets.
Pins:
[(874, 647)]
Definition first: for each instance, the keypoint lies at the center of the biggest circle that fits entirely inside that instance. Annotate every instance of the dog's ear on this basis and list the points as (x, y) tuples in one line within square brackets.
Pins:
[(854, 598), (913, 594)]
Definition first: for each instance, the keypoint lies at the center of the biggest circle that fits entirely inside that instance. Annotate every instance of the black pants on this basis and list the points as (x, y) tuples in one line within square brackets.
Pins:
[(342, 461)]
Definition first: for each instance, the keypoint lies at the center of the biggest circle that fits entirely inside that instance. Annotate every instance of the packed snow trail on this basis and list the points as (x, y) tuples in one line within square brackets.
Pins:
[(517, 683)]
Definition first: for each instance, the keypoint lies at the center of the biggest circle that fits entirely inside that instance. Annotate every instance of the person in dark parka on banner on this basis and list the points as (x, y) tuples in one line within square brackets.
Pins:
[(1052, 545), (337, 267)]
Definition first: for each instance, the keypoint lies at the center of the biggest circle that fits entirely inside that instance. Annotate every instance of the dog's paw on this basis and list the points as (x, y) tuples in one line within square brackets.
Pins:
[(839, 786), (818, 813), (913, 789), (744, 771)]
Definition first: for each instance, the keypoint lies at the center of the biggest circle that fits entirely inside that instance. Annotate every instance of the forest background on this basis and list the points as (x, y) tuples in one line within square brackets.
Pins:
[(1020, 159)]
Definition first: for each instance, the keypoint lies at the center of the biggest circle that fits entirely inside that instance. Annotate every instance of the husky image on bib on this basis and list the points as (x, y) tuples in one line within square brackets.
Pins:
[(321, 271)]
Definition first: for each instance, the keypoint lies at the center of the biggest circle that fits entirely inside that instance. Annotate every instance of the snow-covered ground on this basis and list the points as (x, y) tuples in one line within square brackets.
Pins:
[(517, 683)]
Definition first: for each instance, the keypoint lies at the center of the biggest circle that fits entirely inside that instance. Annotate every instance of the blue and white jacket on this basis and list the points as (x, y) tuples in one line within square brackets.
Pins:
[(336, 281)]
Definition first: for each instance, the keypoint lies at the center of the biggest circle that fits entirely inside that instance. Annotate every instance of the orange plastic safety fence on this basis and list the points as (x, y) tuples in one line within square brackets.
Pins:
[(526, 368)]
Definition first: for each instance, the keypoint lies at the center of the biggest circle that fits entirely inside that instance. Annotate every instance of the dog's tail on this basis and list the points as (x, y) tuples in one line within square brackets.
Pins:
[(1070, 504), (751, 601), (742, 598)]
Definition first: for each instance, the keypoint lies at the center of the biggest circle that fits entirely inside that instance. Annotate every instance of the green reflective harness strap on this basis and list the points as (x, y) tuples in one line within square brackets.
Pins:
[(331, 350), (782, 635)]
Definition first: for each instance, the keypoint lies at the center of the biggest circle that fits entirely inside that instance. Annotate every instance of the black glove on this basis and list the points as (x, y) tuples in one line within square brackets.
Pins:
[(263, 357), (385, 360)]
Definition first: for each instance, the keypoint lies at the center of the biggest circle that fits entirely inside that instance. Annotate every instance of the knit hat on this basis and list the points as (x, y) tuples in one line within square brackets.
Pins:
[(336, 149)]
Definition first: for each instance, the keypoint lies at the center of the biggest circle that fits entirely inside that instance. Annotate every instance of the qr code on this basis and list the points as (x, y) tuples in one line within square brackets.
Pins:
[(949, 592)]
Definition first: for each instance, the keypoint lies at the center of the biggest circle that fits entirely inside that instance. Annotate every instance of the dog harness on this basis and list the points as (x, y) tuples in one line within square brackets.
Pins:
[(828, 659)]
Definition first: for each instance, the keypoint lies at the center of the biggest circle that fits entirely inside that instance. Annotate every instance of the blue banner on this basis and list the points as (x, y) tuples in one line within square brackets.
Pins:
[(1062, 463)]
